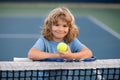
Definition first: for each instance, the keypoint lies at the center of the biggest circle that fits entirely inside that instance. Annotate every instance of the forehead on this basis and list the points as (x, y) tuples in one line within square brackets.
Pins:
[(61, 21)]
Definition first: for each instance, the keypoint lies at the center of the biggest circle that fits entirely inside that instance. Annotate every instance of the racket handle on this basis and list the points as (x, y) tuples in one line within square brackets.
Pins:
[(93, 58)]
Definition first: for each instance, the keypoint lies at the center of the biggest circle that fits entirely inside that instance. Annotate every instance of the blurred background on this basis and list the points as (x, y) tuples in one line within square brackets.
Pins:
[(21, 22)]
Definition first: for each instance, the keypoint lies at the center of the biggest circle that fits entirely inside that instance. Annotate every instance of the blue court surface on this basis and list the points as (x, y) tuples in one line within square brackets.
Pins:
[(18, 34)]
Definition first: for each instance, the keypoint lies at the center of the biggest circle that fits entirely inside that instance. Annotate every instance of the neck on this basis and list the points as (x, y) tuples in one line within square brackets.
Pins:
[(58, 40)]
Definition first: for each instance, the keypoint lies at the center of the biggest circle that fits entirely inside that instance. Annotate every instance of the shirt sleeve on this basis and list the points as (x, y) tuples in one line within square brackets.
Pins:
[(39, 44), (76, 45)]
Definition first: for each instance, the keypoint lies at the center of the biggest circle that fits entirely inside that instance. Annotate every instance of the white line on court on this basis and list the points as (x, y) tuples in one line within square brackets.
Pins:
[(105, 27), (19, 35)]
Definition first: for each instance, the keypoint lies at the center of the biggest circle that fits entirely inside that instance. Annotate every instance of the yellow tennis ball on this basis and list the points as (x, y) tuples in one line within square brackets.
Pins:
[(62, 47)]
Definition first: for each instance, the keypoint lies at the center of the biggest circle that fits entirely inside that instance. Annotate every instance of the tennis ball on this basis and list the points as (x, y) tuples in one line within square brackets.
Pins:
[(62, 47)]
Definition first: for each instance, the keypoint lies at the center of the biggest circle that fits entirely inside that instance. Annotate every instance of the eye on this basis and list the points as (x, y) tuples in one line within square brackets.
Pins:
[(65, 26), (57, 25)]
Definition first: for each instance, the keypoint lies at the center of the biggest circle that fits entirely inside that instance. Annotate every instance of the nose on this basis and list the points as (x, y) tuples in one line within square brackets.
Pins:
[(61, 28)]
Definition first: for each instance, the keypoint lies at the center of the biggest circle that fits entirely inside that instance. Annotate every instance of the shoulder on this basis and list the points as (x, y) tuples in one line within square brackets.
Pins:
[(41, 43), (76, 40), (76, 45), (42, 39)]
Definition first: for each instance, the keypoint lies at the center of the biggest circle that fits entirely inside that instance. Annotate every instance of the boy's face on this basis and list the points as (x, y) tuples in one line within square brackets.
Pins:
[(60, 30)]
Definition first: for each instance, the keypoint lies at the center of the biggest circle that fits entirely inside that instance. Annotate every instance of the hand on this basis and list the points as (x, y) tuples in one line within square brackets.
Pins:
[(67, 54)]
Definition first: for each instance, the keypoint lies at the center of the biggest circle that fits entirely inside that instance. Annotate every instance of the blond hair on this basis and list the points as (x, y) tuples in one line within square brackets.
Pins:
[(52, 18)]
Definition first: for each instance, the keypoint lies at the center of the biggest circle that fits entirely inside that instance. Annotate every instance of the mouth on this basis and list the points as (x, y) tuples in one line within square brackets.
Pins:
[(61, 32)]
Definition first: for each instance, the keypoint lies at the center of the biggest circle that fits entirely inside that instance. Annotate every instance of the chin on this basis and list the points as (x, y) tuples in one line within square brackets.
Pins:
[(59, 37)]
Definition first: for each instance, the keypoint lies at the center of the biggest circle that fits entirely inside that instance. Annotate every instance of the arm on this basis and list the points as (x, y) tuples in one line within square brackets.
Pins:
[(36, 54), (84, 53)]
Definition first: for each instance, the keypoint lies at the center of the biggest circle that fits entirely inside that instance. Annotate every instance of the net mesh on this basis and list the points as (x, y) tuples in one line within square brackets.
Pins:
[(96, 70)]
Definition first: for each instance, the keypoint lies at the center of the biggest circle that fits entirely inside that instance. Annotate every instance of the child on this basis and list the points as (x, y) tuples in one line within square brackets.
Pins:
[(58, 27)]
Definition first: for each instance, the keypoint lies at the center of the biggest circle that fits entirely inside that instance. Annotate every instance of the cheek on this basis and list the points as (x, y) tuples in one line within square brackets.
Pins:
[(53, 28), (67, 30)]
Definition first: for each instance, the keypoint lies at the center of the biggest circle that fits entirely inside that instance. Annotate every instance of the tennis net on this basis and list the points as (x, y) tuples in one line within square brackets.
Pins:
[(107, 69)]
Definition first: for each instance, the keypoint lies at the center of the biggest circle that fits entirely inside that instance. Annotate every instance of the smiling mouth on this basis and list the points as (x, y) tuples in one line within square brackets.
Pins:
[(61, 32)]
